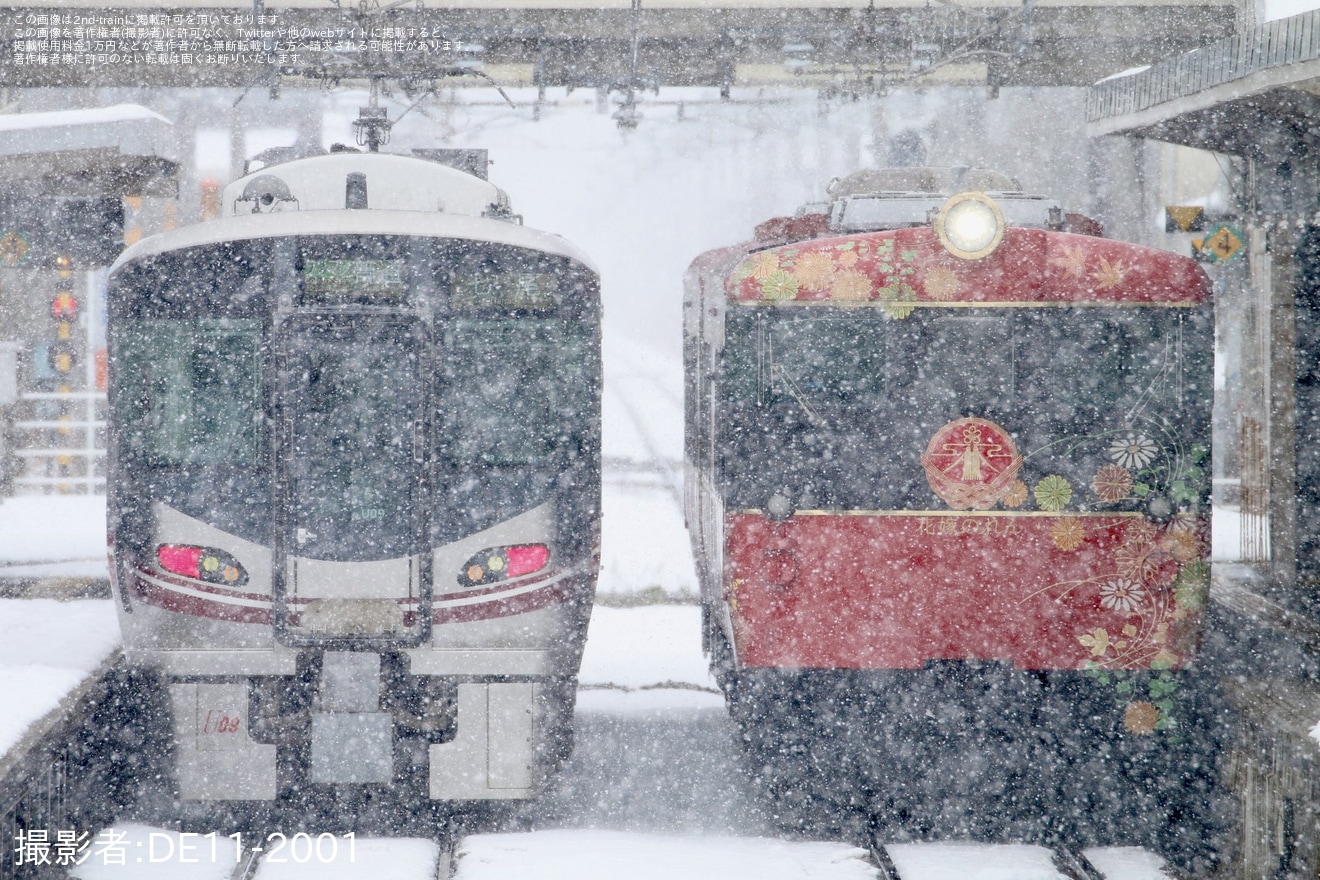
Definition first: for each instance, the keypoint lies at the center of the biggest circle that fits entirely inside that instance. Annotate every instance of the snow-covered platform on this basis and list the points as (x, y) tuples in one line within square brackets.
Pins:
[(49, 650), (139, 852), (44, 537)]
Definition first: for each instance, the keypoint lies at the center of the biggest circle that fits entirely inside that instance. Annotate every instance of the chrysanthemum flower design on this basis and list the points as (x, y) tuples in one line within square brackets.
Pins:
[(1122, 595), (1068, 534), (1134, 451), (1112, 483), (1053, 493), (1141, 717), (779, 285), (941, 284), (1017, 494), (1137, 562), (1181, 544), (814, 271), (851, 286), (761, 266)]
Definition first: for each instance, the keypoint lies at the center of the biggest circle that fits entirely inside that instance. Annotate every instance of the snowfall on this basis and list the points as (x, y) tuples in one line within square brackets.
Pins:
[(700, 186), (642, 660)]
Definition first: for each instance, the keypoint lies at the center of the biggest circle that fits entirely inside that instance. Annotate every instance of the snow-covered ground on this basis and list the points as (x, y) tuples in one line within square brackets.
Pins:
[(47, 648), (139, 852)]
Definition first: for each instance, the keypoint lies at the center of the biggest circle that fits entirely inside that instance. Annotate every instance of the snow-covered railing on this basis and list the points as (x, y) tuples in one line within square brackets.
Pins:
[(1280, 43), (44, 458)]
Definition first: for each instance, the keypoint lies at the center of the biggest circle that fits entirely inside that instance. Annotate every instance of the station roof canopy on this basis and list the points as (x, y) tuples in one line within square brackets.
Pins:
[(122, 150), (1254, 94)]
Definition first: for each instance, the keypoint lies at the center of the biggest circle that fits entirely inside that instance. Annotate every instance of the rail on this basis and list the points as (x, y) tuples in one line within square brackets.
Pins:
[(1281, 43)]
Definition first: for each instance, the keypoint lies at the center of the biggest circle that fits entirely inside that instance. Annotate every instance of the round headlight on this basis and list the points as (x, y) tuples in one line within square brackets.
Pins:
[(970, 225)]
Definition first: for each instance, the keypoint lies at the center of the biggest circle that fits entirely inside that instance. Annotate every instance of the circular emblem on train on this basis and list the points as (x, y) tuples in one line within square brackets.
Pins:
[(971, 463)]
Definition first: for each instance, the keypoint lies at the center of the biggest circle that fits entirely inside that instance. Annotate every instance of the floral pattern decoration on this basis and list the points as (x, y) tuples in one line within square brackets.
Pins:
[(852, 270)]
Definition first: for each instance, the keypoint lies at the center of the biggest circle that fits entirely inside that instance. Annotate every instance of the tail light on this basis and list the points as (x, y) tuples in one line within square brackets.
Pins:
[(202, 563), (502, 563)]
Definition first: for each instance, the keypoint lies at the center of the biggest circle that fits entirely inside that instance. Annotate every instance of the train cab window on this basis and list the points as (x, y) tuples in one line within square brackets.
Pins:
[(511, 389), (818, 362), (190, 392), (514, 354), (963, 363), (1118, 360)]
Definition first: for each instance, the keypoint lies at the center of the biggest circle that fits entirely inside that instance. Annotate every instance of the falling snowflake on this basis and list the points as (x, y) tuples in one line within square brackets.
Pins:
[(1134, 451), (1122, 595), (1053, 493)]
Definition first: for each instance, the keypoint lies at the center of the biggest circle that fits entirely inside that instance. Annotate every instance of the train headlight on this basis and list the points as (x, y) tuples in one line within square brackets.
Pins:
[(970, 225), (503, 563), (202, 563)]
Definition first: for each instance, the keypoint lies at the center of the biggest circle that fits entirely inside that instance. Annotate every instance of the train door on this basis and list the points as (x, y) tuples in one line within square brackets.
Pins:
[(352, 561)]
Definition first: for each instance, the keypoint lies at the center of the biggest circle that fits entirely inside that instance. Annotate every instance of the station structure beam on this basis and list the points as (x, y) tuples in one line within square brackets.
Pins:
[(591, 43)]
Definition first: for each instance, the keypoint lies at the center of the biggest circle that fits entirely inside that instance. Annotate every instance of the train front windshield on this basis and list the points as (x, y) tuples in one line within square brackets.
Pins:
[(240, 362), (834, 407)]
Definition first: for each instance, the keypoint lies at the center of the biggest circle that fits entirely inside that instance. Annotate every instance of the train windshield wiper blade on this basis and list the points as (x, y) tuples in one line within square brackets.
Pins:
[(796, 393)]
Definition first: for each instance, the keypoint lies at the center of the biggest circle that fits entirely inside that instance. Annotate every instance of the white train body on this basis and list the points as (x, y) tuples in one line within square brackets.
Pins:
[(355, 482)]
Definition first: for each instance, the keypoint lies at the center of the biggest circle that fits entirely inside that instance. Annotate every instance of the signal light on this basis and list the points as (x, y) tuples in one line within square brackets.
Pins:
[(202, 563), (502, 563), (61, 357), (64, 306)]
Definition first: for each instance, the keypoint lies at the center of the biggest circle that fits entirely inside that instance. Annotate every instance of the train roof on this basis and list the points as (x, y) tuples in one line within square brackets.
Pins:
[(364, 181), (352, 193), (902, 269), (341, 222), (929, 180)]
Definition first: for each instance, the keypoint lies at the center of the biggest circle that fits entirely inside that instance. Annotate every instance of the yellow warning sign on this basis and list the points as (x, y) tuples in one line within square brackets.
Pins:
[(1184, 218), (1222, 243)]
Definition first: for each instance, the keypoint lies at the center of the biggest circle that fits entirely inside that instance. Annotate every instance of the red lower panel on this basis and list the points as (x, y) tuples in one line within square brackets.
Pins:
[(895, 591)]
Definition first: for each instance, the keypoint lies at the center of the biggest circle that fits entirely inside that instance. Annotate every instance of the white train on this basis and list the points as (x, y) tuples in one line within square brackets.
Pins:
[(355, 482)]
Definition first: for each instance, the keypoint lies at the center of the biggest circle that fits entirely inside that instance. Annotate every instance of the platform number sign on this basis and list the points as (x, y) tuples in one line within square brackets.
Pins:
[(1222, 244)]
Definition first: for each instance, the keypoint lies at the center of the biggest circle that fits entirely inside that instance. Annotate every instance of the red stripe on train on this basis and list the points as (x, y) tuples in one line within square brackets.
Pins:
[(225, 605)]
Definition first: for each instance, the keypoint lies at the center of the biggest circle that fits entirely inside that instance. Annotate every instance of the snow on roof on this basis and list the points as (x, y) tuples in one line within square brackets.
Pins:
[(49, 648), (92, 116), (127, 128), (1131, 71)]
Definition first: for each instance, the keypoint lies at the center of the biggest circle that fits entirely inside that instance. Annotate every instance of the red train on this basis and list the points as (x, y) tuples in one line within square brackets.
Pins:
[(948, 459)]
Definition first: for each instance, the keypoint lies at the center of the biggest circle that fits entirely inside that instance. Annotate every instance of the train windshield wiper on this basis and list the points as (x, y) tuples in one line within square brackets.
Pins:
[(796, 393)]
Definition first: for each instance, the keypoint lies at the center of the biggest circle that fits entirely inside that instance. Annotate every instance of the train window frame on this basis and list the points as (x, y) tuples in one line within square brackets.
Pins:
[(191, 450)]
